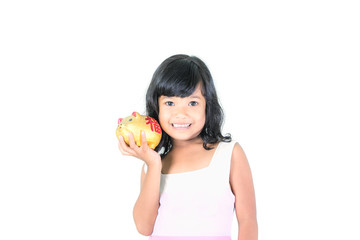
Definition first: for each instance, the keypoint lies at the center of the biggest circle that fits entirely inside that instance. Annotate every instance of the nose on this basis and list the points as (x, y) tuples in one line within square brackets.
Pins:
[(180, 112)]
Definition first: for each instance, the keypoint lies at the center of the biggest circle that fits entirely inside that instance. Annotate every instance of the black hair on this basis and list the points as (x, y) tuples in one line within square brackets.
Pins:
[(179, 76)]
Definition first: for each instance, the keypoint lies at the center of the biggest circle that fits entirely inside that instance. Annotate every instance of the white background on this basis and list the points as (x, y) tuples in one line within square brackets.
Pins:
[(287, 75)]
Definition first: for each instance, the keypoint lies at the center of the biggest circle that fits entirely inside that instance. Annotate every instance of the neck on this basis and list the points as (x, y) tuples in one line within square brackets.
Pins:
[(187, 143)]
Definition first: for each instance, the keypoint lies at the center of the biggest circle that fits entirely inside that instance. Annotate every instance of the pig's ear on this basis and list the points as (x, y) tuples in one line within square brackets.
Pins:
[(119, 120), (135, 114)]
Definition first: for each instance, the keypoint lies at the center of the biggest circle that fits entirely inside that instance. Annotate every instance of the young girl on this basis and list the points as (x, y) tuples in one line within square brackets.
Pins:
[(196, 177)]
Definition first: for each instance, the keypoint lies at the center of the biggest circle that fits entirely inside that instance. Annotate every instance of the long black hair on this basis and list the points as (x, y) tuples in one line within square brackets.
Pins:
[(179, 76)]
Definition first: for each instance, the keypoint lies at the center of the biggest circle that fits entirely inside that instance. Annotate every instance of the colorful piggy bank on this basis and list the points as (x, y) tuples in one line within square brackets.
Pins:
[(137, 123)]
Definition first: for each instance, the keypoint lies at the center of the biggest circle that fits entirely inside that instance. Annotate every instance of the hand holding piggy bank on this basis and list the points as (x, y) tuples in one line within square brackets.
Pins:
[(137, 123)]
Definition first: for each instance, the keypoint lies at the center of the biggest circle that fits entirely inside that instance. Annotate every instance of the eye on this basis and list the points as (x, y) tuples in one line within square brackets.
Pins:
[(130, 119), (193, 103), (169, 103)]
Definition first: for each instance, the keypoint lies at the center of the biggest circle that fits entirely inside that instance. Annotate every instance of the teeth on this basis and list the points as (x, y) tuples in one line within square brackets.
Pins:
[(181, 125)]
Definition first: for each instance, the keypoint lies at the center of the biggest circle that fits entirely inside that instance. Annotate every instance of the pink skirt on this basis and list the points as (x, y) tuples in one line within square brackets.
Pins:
[(190, 238)]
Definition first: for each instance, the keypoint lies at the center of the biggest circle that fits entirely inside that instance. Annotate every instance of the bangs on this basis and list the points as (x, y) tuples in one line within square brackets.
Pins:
[(180, 79)]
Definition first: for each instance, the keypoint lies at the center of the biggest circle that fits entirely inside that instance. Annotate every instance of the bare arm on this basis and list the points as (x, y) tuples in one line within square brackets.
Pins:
[(243, 189), (147, 204)]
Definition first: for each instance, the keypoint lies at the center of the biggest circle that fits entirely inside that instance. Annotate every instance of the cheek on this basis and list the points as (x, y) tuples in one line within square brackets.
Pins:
[(200, 116), (164, 122), (161, 121), (162, 117), (203, 119), (203, 113)]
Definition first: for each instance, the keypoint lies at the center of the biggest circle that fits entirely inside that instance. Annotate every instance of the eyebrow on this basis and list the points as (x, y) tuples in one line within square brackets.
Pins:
[(195, 96), (164, 98)]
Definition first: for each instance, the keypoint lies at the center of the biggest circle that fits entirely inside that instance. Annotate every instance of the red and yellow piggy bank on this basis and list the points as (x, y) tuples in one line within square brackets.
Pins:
[(137, 123)]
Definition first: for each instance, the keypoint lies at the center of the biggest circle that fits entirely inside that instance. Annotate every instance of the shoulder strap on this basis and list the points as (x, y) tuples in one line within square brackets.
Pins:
[(222, 159)]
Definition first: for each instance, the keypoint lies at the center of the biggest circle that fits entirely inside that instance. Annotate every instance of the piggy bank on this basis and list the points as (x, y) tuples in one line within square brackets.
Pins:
[(137, 123)]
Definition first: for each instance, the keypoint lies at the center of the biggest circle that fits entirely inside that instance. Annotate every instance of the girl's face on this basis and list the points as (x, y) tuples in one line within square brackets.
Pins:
[(183, 118)]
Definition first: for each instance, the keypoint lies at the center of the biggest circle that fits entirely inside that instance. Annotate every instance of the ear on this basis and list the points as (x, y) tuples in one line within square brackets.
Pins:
[(119, 120), (135, 114)]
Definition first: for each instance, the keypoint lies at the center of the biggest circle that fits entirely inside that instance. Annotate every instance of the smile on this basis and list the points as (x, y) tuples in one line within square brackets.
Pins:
[(181, 125)]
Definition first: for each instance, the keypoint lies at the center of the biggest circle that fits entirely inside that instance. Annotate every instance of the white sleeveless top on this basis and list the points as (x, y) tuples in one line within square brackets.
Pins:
[(197, 204)]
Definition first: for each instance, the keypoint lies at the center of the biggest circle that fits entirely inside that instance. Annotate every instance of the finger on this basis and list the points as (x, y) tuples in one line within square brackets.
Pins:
[(122, 151), (132, 143), (124, 148), (143, 139)]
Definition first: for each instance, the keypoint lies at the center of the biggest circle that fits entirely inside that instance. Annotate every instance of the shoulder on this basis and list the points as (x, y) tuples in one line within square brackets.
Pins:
[(238, 153), (240, 172), (238, 157), (239, 163)]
